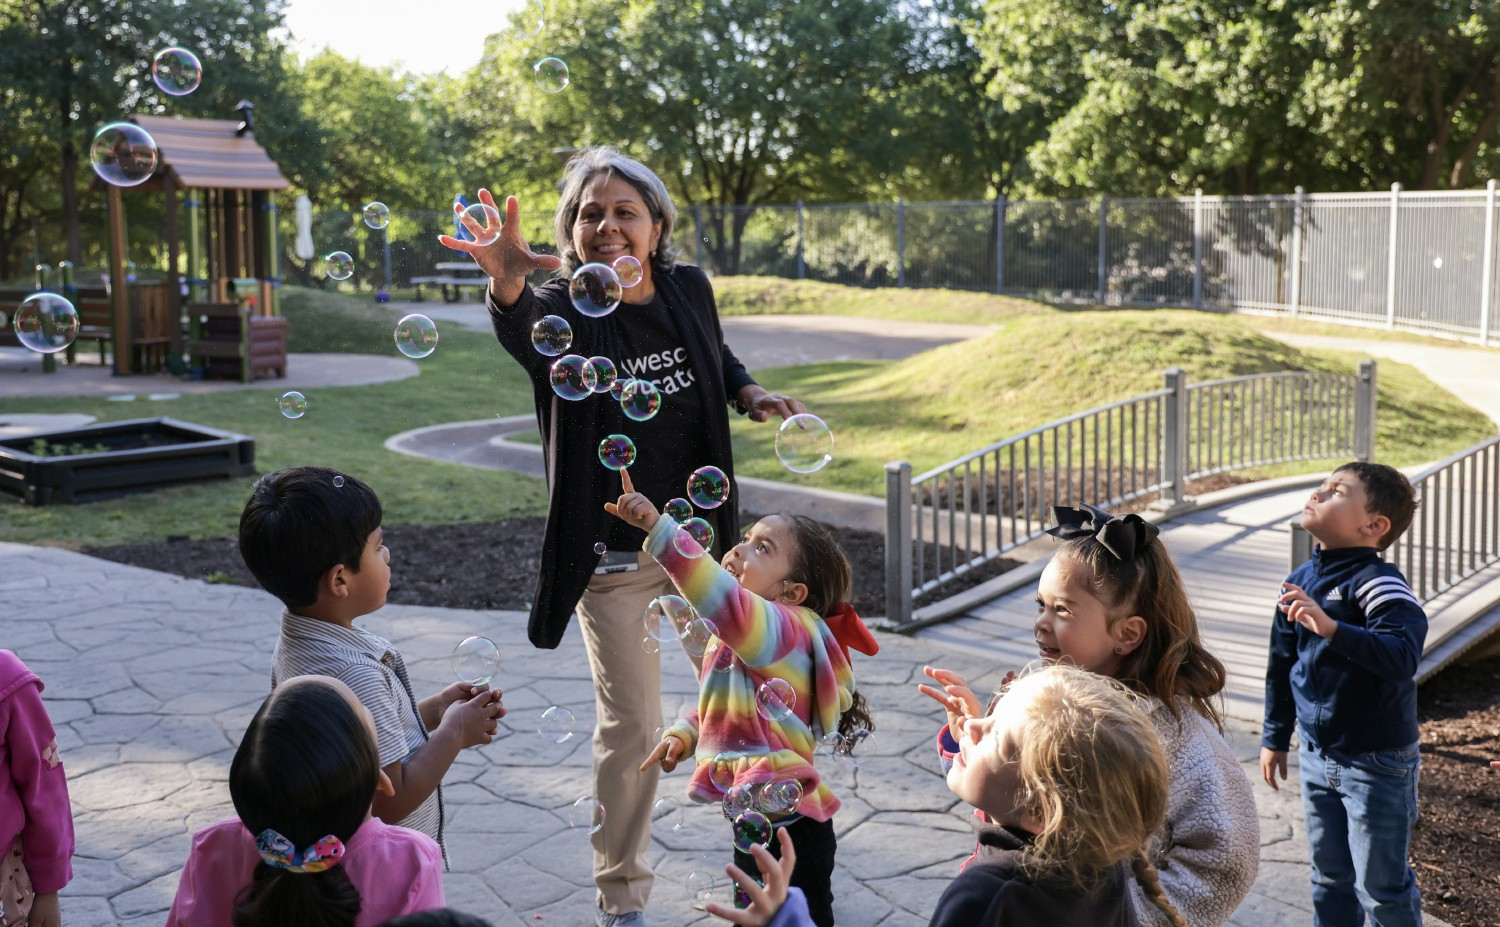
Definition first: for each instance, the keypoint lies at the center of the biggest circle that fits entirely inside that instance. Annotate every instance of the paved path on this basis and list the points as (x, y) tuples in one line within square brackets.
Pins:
[(151, 679)]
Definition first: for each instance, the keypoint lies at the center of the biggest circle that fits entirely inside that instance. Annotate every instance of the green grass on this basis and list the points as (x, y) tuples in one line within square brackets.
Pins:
[(779, 296), (1274, 324)]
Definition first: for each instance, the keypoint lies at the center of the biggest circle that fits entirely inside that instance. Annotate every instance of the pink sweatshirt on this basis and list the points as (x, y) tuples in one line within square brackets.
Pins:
[(33, 788), (396, 870)]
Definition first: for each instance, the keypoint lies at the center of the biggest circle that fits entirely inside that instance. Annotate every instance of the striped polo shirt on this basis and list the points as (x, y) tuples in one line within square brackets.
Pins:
[(372, 667)]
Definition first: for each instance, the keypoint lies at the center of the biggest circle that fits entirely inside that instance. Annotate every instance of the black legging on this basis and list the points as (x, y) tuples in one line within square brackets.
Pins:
[(815, 844)]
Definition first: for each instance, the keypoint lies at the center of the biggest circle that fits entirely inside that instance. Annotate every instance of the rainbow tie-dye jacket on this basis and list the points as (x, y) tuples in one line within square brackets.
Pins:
[(757, 640)]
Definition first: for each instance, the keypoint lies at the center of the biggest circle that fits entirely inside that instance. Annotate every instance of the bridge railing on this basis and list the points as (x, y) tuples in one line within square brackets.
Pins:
[(960, 515), (1456, 531)]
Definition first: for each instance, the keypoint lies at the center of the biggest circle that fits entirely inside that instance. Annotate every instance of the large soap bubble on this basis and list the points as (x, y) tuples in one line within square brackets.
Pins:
[(751, 828), (124, 154), (629, 270), (416, 335), (476, 660), (377, 215), (46, 323), (694, 536), (572, 377), (551, 74), (642, 402), (177, 71), (667, 617), (486, 224), (595, 290), (338, 265), (551, 335), (804, 444), (556, 724), (708, 487), (292, 404), (586, 814), (775, 699), (617, 452)]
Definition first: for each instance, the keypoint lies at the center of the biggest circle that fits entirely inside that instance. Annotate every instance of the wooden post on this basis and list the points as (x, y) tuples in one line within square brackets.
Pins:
[(120, 287), (172, 290), (197, 272)]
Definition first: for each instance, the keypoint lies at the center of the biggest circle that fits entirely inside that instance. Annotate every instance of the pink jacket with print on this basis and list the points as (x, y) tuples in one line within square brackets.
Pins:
[(33, 789)]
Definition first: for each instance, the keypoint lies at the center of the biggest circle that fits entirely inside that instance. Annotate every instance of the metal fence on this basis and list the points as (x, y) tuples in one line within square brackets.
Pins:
[(958, 516), (1422, 261), (1456, 531)]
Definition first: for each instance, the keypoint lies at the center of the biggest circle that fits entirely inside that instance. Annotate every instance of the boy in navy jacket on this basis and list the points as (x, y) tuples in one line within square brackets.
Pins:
[(1345, 642)]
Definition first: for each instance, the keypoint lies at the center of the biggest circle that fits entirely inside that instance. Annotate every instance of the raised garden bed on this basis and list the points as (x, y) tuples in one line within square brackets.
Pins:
[(102, 461)]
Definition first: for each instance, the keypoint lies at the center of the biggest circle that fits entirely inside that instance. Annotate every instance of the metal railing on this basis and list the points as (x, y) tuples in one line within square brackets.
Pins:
[(963, 514), (1456, 531)]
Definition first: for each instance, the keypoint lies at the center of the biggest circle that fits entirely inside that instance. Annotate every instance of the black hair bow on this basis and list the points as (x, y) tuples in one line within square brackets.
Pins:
[(1122, 535)]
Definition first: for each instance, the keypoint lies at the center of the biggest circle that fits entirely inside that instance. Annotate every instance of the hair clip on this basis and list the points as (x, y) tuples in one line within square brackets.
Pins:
[(280, 853), (1124, 536)]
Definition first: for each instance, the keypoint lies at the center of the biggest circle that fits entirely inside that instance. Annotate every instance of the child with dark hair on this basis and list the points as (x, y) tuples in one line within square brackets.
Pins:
[(439, 917), (1345, 643), (305, 848), (36, 818), (775, 678), (312, 537)]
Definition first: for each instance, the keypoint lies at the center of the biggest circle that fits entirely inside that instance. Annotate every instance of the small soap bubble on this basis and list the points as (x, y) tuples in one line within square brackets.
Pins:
[(720, 659), (586, 814), (679, 508), (629, 270), (595, 290), (292, 404), (604, 374), (600, 547), (742, 897), (708, 487), (668, 811), (176, 71), (617, 452), (702, 886), (46, 323), (1437, 262), (377, 215), (551, 335), (697, 634), (724, 767), (694, 538), (775, 699), (642, 403), (623, 388), (650, 644), (667, 616), (124, 154), (556, 724), (551, 74), (859, 746), (476, 660), (751, 828), (416, 335), (572, 377), (780, 796), (739, 799), (829, 744), (479, 223), (804, 444), (338, 265), (338, 482)]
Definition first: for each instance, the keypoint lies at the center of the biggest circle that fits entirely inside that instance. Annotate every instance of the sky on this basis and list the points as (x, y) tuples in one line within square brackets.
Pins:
[(422, 36)]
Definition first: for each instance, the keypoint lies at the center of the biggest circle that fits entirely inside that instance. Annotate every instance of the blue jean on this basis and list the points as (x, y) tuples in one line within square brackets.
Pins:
[(1359, 810)]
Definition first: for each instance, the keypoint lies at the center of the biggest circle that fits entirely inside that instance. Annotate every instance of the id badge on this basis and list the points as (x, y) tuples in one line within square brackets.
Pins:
[(617, 561)]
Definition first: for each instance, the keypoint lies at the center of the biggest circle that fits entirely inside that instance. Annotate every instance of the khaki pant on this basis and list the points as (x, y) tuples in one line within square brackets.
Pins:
[(627, 698)]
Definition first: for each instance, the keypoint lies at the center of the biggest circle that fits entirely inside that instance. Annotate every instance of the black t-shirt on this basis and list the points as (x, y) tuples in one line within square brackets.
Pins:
[(672, 444)]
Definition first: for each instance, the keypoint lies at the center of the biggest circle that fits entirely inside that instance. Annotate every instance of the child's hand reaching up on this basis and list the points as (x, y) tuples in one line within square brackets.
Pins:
[(764, 902), (667, 753), (956, 698), (632, 507)]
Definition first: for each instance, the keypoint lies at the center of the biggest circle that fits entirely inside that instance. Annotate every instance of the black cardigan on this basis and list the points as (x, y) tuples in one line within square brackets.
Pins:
[(577, 486), (992, 891)]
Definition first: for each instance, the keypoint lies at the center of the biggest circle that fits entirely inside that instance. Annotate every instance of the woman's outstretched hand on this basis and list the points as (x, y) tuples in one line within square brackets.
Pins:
[(508, 259)]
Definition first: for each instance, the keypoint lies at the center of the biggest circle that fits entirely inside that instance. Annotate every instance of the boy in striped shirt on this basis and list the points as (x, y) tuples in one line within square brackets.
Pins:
[(1345, 642), (312, 537)]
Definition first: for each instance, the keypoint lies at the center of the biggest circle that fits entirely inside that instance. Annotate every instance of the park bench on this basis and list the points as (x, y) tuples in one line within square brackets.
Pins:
[(449, 275), (230, 343)]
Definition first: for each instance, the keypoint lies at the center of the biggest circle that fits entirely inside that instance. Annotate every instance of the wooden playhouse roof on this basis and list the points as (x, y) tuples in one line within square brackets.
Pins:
[(206, 153)]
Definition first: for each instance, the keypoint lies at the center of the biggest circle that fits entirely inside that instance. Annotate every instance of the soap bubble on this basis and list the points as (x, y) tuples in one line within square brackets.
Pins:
[(667, 616), (694, 537), (176, 71), (586, 814), (338, 265), (617, 452), (720, 658), (679, 508), (742, 897), (292, 404), (697, 634), (829, 744), (650, 644), (739, 799), (124, 154), (572, 377), (526, 22), (556, 724), (629, 270), (595, 290), (668, 810), (604, 374), (485, 218), (416, 335), (643, 403), (600, 547), (551, 335), (46, 323), (377, 215), (551, 74), (708, 487), (702, 885), (338, 482), (859, 746), (780, 796), (1437, 262), (623, 389), (751, 828), (724, 767), (775, 699), (804, 444), (476, 660)]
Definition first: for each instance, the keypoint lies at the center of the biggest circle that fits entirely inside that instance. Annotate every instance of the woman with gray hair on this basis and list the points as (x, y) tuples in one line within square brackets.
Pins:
[(666, 330)]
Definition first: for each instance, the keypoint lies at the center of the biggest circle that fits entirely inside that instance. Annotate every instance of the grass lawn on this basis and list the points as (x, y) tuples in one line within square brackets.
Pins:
[(779, 296), (1039, 364)]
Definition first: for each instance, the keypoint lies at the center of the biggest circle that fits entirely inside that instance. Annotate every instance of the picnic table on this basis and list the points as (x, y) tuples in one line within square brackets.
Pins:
[(451, 277)]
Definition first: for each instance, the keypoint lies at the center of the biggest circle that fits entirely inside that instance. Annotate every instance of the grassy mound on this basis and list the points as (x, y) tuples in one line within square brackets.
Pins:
[(779, 296)]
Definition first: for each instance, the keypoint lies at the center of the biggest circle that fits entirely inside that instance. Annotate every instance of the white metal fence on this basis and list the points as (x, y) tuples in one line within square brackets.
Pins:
[(1423, 261)]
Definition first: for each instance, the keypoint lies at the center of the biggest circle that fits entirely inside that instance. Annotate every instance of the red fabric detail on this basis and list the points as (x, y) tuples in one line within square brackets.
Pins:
[(850, 631)]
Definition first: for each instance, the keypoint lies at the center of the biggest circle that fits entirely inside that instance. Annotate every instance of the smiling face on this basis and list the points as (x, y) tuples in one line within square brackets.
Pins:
[(1072, 625), (762, 562), (1337, 513), (613, 221)]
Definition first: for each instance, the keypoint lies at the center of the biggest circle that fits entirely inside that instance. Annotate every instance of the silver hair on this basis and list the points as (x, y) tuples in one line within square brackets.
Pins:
[(601, 159)]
